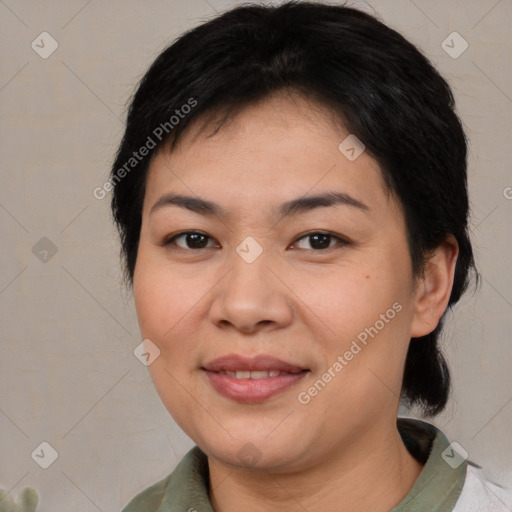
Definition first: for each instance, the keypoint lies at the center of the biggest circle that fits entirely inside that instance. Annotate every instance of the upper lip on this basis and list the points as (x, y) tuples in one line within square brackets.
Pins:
[(235, 362)]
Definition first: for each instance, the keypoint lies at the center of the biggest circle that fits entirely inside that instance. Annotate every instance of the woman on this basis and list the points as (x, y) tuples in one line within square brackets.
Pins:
[(292, 203)]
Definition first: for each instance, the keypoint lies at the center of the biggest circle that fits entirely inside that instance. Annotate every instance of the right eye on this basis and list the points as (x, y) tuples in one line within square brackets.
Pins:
[(192, 240)]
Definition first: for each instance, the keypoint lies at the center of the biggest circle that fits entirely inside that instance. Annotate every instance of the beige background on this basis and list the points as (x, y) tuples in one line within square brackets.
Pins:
[(68, 374)]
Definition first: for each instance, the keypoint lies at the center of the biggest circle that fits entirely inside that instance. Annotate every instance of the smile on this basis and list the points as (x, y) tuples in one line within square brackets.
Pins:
[(251, 380), (261, 374)]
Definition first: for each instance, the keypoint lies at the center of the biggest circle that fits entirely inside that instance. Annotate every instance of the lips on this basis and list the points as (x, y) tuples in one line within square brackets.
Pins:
[(252, 380), (259, 374), (236, 363)]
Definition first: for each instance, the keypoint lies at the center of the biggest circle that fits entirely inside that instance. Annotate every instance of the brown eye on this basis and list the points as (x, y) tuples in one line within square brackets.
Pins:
[(321, 241), (191, 239)]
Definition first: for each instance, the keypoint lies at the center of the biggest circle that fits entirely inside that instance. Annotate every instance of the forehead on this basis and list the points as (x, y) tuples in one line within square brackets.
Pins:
[(280, 148)]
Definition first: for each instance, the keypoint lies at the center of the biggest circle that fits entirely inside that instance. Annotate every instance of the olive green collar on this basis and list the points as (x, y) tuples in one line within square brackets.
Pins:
[(440, 483)]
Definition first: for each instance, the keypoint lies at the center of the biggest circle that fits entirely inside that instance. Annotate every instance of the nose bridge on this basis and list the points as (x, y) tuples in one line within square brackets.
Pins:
[(250, 266), (251, 294)]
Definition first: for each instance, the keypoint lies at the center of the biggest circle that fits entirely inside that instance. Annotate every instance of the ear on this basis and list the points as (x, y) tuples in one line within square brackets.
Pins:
[(433, 289)]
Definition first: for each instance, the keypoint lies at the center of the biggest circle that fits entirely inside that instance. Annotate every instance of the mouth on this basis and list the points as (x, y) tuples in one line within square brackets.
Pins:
[(260, 374), (252, 380)]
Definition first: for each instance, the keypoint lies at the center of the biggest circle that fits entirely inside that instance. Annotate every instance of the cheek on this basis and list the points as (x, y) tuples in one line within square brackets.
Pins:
[(164, 304), (362, 313), (162, 298), (344, 301)]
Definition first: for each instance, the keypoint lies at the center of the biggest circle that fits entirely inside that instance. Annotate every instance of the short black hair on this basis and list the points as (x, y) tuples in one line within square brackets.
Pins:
[(384, 90)]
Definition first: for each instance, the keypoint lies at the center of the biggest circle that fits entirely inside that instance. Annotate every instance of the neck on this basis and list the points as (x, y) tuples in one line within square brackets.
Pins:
[(375, 474)]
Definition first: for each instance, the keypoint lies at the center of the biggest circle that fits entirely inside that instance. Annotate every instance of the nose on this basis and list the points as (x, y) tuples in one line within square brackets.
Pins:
[(252, 297)]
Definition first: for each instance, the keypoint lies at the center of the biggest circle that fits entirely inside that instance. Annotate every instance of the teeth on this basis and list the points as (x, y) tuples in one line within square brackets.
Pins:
[(261, 374)]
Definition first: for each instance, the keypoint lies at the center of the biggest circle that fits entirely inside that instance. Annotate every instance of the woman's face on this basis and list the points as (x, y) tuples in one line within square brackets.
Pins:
[(323, 293)]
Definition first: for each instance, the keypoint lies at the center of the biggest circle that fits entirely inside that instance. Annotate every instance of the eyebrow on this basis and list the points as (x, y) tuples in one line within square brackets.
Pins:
[(292, 207)]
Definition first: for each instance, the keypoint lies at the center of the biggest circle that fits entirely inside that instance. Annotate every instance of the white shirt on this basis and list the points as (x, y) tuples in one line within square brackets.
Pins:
[(480, 495)]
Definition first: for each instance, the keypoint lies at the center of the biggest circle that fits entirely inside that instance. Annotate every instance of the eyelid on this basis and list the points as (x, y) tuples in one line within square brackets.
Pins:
[(169, 239), (341, 239)]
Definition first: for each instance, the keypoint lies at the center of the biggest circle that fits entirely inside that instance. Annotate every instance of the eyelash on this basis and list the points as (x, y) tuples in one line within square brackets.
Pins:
[(170, 240)]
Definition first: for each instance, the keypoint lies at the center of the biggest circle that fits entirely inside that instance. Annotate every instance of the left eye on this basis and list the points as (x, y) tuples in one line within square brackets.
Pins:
[(320, 240)]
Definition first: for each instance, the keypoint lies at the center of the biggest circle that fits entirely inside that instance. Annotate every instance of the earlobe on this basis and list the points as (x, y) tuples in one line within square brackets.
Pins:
[(434, 288)]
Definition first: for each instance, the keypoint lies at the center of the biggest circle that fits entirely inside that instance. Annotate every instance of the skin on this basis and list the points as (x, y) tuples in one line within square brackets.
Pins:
[(302, 304)]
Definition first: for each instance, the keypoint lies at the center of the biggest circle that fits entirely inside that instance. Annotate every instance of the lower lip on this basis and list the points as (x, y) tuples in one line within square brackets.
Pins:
[(251, 391)]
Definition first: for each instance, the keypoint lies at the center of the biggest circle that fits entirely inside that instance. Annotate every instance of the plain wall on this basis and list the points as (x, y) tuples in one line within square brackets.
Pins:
[(68, 374)]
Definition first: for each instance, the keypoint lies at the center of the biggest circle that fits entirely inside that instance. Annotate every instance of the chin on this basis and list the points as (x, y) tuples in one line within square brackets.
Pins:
[(258, 451)]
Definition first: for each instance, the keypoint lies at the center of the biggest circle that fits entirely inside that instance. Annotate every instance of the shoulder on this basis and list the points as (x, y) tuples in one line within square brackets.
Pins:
[(448, 480), (481, 495), (149, 499), (187, 483)]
